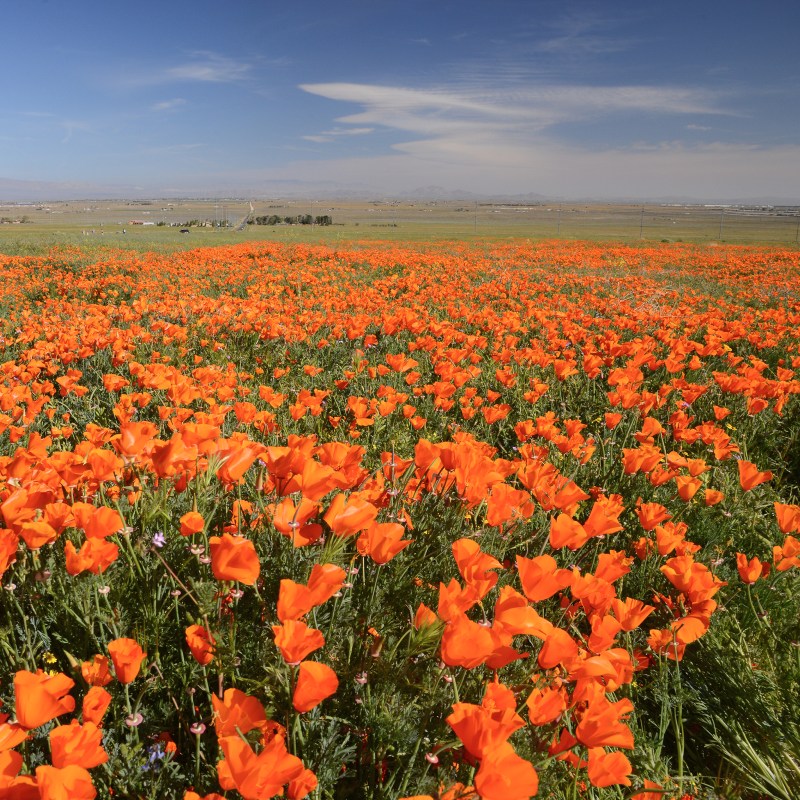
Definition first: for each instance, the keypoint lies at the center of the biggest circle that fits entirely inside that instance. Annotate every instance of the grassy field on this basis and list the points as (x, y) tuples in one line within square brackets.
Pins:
[(89, 223), (381, 520)]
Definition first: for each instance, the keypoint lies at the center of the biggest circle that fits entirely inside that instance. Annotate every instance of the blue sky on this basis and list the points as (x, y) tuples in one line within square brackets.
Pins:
[(565, 99)]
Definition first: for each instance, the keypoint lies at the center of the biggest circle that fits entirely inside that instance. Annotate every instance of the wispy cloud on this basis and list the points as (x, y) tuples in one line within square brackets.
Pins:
[(198, 67), (582, 34), (168, 105), (510, 140), (208, 67), (329, 136), (516, 113), (70, 126)]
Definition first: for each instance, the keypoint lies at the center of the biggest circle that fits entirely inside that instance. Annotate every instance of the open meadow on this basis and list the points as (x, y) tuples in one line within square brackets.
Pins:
[(303, 510), (156, 225)]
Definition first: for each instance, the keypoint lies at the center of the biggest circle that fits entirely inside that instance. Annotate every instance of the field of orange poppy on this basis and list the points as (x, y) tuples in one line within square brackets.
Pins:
[(381, 520)]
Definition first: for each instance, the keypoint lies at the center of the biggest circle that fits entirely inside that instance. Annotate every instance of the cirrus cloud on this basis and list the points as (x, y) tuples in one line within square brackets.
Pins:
[(511, 140)]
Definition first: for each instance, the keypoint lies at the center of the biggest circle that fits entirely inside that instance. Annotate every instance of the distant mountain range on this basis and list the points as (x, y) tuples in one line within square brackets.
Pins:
[(21, 191)]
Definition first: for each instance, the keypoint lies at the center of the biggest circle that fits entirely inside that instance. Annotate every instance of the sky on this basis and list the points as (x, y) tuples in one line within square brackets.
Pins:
[(569, 100)]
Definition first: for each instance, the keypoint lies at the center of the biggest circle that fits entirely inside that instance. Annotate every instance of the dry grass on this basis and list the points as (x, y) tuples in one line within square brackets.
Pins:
[(90, 223)]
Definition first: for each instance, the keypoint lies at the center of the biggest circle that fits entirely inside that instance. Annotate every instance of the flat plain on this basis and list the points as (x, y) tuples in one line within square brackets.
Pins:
[(156, 224)]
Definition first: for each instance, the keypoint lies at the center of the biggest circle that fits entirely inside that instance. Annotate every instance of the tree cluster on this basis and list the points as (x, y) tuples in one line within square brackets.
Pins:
[(301, 219)]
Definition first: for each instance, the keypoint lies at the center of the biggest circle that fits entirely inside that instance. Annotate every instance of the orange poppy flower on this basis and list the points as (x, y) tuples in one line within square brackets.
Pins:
[(608, 769), (96, 672), (652, 514), (95, 704), (787, 555), (612, 419), (513, 615), (561, 747), (481, 729), (546, 705), (503, 775), (325, 580), (382, 541), (349, 515), (315, 682), (750, 477), (257, 776), (9, 544), (296, 640), (687, 486), (424, 617), (101, 522), (77, 744), (605, 672), (541, 578), (601, 724), (37, 533), (690, 628), (237, 711), (506, 503), (191, 522), (315, 481), (475, 565), (604, 517), (559, 648), (292, 520), (127, 657), (692, 578), (612, 565), (201, 643), (16, 786), (135, 438), (604, 632), (788, 517), (95, 555), (40, 698), (295, 600), (455, 599), (72, 781), (237, 458), (467, 644), (11, 734), (287, 517), (631, 613), (234, 558), (567, 532), (750, 571), (302, 785)]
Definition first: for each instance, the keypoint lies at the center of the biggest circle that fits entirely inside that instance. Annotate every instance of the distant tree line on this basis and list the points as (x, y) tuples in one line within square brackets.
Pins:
[(198, 223), (301, 219)]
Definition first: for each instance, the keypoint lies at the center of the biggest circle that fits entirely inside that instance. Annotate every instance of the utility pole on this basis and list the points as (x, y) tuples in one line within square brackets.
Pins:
[(641, 222), (721, 217)]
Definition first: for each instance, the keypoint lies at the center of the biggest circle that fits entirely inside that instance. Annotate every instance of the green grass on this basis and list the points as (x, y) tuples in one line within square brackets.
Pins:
[(101, 224)]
